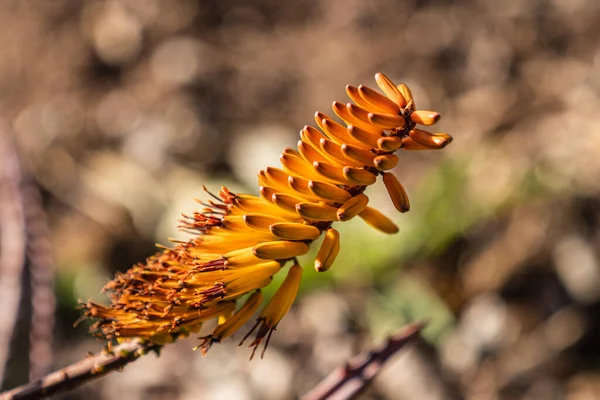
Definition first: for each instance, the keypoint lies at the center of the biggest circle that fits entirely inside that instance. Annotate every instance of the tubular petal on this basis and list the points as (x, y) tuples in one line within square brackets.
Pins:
[(340, 110), (362, 117), (328, 251), (406, 93), (309, 153), (263, 180), (233, 323), (258, 205), (266, 193), (241, 286), (317, 211), (277, 308), (300, 185), (294, 231), (359, 176), (294, 164), (283, 299), (332, 174), (352, 207), (390, 90), (425, 117), (313, 137), (409, 144), (396, 192), (278, 177), (241, 258), (334, 151), (386, 121), (234, 223), (328, 191), (378, 221), (360, 156), (355, 96), (385, 162), (377, 100), (286, 202), (260, 222), (319, 116), (289, 212), (343, 112), (389, 143), (367, 139), (279, 250), (434, 141), (339, 133)]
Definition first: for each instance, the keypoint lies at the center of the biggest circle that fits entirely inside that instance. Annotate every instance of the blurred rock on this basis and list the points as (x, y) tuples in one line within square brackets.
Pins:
[(117, 114), (117, 34), (579, 269), (179, 60)]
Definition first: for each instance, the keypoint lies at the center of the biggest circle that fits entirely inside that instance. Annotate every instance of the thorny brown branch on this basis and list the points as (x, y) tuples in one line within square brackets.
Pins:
[(24, 240), (41, 267), (93, 367), (12, 242), (343, 383), (350, 380)]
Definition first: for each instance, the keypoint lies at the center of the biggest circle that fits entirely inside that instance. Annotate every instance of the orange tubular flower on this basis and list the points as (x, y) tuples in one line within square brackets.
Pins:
[(244, 240), (274, 312)]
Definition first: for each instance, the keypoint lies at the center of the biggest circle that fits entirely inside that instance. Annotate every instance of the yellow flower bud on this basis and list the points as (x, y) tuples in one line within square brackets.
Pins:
[(278, 307)]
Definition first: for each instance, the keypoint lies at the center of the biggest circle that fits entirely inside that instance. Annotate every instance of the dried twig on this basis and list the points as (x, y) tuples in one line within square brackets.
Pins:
[(343, 383), (348, 381), (12, 243), (41, 267), (94, 366)]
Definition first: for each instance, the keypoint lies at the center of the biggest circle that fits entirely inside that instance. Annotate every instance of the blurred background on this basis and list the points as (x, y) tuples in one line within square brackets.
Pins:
[(114, 113)]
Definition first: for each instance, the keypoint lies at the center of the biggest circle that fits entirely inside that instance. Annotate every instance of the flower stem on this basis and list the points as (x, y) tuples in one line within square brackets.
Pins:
[(348, 381), (81, 372)]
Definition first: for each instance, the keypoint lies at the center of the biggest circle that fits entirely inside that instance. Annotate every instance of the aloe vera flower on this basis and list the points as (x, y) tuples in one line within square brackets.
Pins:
[(242, 240)]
